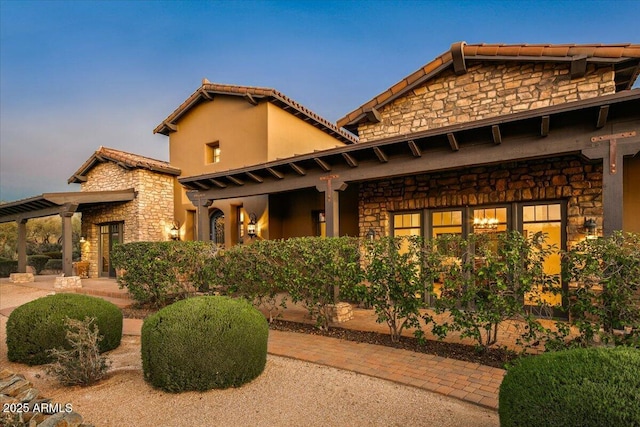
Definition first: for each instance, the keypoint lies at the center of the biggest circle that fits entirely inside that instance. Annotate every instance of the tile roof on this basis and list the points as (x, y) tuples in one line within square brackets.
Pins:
[(254, 94), (626, 53), (122, 158)]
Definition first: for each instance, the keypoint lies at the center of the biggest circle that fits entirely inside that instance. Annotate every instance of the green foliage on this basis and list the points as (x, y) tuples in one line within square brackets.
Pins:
[(53, 255), (53, 264), (38, 326), (579, 387), (37, 262), (489, 282), (203, 343), (8, 266), (604, 292), (160, 272), (82, 364), (395, 282)]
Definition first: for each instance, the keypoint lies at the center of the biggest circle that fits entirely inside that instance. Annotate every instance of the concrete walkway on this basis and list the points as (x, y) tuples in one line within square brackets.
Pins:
[(470, 382)]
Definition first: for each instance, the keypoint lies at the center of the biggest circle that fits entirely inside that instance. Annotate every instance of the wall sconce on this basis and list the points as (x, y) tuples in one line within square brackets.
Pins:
[(252, 226), (371, 234), (82, 239), (174, 233), (590, 227)]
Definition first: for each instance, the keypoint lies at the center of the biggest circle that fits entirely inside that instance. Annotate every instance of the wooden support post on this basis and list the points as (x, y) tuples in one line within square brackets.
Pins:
[(202, 213), (67, 243), (22, 245)]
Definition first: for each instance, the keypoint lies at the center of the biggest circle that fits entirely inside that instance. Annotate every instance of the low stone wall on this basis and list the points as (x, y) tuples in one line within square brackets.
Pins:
[(21, 277), (22, 405), (69, 282)]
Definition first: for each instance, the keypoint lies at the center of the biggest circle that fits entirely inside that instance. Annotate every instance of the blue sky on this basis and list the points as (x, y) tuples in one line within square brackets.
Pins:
[(77, 75)]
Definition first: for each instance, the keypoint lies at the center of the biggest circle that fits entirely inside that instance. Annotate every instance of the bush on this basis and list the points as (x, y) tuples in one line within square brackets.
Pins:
[(82, 365), (160, 272), (53, 255), (8, 266), (53, 264), (579, 387), (203, 343), (38, 326), (37, 262)]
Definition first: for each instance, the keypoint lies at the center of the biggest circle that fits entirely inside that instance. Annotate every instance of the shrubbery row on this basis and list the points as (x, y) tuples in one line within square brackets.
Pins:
[(483, 281)]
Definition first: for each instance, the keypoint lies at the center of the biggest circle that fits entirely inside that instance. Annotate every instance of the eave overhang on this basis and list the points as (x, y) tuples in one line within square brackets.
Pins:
[(544, 132)]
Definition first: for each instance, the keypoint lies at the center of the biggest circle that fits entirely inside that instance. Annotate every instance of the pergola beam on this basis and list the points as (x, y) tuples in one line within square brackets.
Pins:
[(381, 155), (415, 150), (323, 165), (254, 177), (351, 161), (495, 132), (603, 114), (235, 180), (298, 169), (545, 122), (275, 173), (453, 142)]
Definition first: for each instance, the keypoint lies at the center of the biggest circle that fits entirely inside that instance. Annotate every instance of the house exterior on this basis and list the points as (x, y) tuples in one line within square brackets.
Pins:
[(482, 138)]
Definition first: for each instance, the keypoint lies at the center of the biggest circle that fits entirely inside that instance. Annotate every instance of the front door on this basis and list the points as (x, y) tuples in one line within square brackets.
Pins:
[(110, 234)]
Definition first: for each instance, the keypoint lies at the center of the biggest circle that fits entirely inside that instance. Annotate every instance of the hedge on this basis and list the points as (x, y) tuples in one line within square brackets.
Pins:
[(203, 343), (8, 266), (37, 262), (38, 326), (578, 387)]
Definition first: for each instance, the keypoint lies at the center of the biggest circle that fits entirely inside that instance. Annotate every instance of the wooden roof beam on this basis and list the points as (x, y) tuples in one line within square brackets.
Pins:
[(299, 169), (603, 114), (578, 66), (250, 99), (275, 173), (206, 95), (255, 177), (457, 54), (415, 150), (201, 185), (217, 183), (80, 178), (235, 180), (545, 122), (453, 142), (171, 127), (497, 136), (323, 165), (373, 115), (381, 155), (351, 161)]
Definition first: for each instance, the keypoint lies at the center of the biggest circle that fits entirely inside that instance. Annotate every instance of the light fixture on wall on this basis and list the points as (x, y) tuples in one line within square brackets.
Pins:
[(174, 233), (252, 227), (82, 239), (590, 225), (371, 234)]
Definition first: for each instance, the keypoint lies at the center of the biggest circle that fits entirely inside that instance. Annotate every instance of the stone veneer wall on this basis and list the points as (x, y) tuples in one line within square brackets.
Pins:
[(146, 218), (486, 91), (567, 178)]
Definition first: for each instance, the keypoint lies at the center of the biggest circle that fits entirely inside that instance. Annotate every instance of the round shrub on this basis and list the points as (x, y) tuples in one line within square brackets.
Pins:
[(203, 343), (580, 387), (38, 326), (37, 262)]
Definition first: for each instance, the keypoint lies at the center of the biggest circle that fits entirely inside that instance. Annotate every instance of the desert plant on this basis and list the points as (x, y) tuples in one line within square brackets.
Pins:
[(37, 262), (82, 364), (488, 285), (203, 343), (578, 387), (38, 326)]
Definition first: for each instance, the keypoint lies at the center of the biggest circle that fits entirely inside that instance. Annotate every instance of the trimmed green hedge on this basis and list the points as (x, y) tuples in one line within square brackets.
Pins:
[(203, 343), (579, 387), (8, 266), (53, 264), (37, 262), (38, 326)]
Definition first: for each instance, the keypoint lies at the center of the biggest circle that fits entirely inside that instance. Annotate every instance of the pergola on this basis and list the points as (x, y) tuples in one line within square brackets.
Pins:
[(605, 127), (63, 204)]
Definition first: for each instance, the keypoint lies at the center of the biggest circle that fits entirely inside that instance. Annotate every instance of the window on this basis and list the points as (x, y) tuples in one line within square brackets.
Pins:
[(212, 152), (407, 224), (446, 223)]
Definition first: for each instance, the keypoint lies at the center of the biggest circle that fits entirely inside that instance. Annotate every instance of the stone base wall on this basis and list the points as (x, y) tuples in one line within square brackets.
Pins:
[(486, 90), (571, 179)]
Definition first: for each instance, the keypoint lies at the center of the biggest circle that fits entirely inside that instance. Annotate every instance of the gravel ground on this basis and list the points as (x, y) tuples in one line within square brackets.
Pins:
[(288, 393)]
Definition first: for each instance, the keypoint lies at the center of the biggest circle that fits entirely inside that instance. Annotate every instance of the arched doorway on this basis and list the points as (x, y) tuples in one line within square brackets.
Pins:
[(216, 222)]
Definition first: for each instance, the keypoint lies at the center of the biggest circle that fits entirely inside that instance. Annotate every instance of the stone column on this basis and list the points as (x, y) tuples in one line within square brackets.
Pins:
[(67, 244), (204, 225)]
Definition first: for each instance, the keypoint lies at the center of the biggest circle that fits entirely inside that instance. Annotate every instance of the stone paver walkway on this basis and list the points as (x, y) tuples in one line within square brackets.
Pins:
[(470, 382)]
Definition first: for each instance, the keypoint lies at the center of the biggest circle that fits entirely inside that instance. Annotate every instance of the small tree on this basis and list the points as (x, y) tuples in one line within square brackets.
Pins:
[(82, 364), (393, 282), (489, 284)]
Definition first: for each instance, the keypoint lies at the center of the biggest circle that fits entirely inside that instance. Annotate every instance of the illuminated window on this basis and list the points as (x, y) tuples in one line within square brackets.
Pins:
[(407, 224), (489, 220), (446, 223), (213, 152)]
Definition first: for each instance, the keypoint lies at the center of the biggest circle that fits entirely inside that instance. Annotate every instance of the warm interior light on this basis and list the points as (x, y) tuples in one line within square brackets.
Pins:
[(252, 226), (82, 239), (485, 223), (174, 233)]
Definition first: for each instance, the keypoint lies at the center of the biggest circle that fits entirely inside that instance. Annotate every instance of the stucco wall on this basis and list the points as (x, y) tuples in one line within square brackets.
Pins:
[(486, 90)]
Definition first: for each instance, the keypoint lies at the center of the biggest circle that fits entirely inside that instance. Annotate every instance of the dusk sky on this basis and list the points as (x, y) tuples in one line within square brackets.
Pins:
[(81, 74)]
